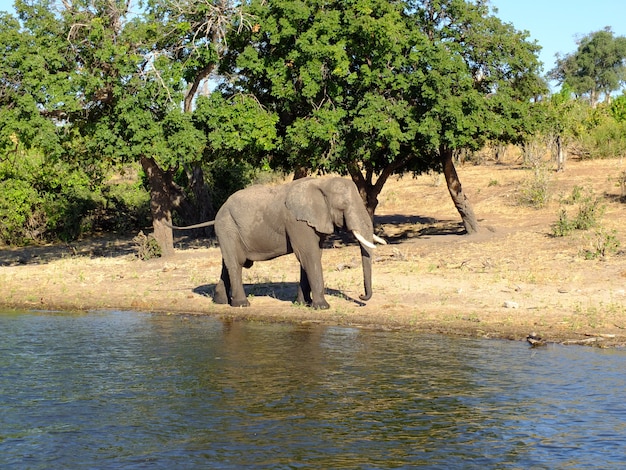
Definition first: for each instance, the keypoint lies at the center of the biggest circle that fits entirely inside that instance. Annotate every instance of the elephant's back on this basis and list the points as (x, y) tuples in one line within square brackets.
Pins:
[(248, 205)]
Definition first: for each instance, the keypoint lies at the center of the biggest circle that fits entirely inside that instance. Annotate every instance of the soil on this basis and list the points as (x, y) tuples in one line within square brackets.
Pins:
[(511, 280)]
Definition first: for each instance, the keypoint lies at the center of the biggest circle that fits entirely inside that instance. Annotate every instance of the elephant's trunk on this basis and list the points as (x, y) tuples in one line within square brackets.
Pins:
[(367, 248), (366, 258)]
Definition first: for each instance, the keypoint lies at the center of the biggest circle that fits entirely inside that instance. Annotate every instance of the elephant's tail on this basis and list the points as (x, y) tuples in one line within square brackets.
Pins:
[(189, 227)]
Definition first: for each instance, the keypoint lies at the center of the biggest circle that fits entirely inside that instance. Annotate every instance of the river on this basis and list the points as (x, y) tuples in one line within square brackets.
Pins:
[(139, 391)]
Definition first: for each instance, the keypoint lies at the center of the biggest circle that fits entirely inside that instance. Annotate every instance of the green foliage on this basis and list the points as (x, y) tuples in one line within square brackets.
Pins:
[(586, 131), (598, 134), (602, 244), (43, 200), (366, 87), (373, 87), (235, 125), (597, 67), (618, 108), (588, 212), (20, 212), (226, 177)]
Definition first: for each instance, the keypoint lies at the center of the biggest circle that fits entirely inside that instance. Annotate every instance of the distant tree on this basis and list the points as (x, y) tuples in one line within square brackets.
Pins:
[(618, 108), (558, 111), (597, 67), (373, 88)]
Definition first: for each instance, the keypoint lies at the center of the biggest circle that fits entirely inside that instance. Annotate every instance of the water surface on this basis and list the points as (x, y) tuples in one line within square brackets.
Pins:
[(129, 390)]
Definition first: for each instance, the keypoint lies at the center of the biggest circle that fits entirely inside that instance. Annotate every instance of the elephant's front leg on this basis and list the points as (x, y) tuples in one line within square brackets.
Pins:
[(306, 245), (311, 289), (304, 289)]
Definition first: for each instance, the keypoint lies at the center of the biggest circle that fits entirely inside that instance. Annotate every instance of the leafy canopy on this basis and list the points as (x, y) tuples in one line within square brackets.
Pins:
[(373, 87), (597, 67)]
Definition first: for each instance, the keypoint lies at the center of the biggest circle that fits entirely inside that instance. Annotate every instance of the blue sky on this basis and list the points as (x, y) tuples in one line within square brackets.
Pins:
[(555, 24)]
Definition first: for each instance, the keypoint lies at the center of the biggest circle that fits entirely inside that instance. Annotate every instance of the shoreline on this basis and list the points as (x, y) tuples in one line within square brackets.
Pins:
[(507, 282)]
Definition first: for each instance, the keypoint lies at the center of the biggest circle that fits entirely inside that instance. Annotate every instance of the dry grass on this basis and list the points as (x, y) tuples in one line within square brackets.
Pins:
[(511, 279)]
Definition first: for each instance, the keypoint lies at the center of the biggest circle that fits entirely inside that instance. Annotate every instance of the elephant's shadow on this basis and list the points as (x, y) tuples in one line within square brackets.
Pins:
[(285, 291)]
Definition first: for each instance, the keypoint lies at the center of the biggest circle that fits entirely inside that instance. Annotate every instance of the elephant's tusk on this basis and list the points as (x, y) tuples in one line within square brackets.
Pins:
[(377, 239), (363, 241)]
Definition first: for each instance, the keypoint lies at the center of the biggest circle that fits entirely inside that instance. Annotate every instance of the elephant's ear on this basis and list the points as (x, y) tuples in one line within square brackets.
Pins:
[(307, 203)]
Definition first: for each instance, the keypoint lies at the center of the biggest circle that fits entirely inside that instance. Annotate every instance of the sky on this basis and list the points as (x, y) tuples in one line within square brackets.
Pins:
[(555, 24)]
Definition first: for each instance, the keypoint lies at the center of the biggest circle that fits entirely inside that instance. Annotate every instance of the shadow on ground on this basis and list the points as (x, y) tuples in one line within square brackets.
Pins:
[(285, 291), (394, 228)]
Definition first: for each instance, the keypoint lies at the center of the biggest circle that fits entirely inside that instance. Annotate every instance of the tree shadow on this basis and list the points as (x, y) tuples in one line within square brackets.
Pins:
[(284, 291), (108, 246), (615, 198), (399, 227)]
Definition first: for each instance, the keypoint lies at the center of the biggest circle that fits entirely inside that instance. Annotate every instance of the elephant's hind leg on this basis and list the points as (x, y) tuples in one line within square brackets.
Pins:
[(238, 295), (229, 289), (222, 289)]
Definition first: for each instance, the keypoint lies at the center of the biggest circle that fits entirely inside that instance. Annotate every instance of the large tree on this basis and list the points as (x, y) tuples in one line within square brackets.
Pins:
[(596, 68), (376, 87), (102, 82)]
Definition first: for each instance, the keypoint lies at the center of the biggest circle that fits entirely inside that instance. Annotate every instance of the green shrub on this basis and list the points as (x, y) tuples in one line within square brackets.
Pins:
[(22, 217), (42, 200), (602, 137), (588, 212), (563, 226), (602, 244)]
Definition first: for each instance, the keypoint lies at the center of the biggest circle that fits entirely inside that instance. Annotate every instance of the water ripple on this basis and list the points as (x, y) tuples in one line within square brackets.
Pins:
[(112, 390)]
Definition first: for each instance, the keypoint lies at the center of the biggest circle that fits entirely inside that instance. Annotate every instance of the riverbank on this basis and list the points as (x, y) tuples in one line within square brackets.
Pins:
[(511, 280)]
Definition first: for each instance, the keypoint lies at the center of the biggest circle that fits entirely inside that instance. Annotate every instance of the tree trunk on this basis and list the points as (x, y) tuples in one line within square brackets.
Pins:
[(200, 208), (161, 203), (369, 190), (560, 155), (461, 202)]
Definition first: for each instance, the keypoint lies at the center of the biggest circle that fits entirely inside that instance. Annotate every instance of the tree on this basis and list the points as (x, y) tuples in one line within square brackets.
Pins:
[(597, 67), (92, 82), (34, 80), (371, 87), (558, 114)]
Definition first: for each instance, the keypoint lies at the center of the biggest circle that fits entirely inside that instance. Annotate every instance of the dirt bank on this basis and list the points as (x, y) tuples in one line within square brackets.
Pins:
[(511, 280)]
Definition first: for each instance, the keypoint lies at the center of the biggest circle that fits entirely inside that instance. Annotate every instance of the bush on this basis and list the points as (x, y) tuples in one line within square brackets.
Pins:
[(534, 191), (146, 247), (601, 133), (589, 211), (603, 244), (22, 217), (42, 200)]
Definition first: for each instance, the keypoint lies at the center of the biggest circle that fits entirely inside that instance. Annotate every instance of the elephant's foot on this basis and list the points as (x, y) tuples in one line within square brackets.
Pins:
[(320, 305), (220, 296), (301, 300), (239, 303)]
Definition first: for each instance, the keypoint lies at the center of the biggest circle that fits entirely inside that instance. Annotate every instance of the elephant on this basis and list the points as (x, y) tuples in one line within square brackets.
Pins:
[(260, 223)]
